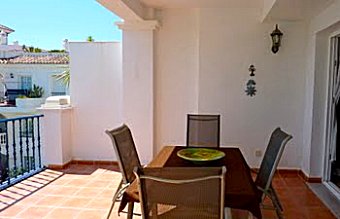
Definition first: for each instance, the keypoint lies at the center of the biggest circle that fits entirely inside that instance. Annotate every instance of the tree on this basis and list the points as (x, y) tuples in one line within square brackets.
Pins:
[(90, 39), (64, 77)]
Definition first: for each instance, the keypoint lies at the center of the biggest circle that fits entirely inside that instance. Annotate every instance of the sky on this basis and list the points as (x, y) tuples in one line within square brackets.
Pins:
[(46, 23)]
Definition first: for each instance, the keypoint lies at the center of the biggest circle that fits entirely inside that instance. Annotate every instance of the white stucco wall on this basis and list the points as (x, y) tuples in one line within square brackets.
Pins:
[(176, 75), (138, 89), (202, 64), (95, 91)]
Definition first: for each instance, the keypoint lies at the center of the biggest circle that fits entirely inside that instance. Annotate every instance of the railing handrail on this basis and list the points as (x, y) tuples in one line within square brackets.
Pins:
[(21, 117)]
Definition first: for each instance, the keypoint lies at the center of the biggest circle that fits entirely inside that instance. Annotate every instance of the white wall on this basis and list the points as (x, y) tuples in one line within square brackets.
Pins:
[(138, 91), (96, 96), (202, 64), (176, 75), (57, 135)]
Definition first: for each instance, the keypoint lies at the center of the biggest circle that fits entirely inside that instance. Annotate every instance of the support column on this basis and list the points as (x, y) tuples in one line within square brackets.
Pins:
[(138, 89), (57, 136)]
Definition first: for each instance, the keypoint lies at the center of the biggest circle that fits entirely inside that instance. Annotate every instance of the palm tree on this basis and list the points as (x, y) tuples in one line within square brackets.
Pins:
[(64, 77)]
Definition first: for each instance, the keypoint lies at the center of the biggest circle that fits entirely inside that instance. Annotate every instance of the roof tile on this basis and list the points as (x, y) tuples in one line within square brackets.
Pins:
[(38, 58)]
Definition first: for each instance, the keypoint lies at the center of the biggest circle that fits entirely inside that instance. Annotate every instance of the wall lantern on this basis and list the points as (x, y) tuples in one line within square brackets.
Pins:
[(276, 38)]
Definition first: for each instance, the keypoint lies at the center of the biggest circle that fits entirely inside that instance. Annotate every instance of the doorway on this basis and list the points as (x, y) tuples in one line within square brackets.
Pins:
[(332, 173)]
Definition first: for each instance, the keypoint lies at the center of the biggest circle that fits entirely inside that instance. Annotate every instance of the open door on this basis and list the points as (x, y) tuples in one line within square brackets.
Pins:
[(332, 170)]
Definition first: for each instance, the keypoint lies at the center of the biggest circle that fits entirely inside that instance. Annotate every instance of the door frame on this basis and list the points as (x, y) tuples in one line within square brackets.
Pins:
[(327, 166)]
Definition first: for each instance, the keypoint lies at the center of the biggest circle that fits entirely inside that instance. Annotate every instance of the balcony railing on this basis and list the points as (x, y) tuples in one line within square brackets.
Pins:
[(20, 149)]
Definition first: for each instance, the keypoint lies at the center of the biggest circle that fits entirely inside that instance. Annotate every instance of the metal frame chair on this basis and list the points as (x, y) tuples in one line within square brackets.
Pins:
[(175, 179), (122, 141), (271, 159), (204, 119)]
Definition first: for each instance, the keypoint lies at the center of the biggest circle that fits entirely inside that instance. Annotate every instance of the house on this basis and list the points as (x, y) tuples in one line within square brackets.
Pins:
[(21, 69)]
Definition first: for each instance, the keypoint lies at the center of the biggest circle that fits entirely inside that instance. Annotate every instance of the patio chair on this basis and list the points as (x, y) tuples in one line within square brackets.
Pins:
[(175, 192), (203, 130), (271, 159), (127, 155)]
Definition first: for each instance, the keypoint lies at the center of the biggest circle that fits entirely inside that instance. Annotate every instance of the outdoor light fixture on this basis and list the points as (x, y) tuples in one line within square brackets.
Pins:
[(276, 38)]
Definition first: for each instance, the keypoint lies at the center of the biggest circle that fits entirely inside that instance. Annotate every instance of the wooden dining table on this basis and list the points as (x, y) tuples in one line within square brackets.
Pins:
[(240, 190)]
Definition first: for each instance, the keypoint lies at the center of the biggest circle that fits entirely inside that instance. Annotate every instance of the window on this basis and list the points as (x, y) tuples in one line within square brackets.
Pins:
[(25, 82)]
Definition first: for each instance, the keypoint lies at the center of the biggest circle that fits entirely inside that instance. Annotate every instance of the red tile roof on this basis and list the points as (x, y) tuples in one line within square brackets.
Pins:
[(38, 58), (6, 29)]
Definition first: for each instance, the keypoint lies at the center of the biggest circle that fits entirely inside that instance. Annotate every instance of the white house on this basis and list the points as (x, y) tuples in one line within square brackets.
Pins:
[(21, 69)]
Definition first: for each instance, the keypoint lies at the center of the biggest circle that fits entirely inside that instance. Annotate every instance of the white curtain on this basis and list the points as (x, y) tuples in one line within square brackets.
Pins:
[(335, 98)]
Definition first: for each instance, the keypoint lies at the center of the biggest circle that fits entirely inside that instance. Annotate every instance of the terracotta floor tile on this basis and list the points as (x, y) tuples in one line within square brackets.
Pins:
[(294, 182), (100, 203), (65, 191), (63, 213), (92, 214), (78, 182), (51, 201), (6, 199), (35, 212), (75, 202), (29, 200), (10, 194), (108, 193), (86, 191), (12, 210), (98, 183), (46, 190), (90, 192), (60, 181), (319, 212)]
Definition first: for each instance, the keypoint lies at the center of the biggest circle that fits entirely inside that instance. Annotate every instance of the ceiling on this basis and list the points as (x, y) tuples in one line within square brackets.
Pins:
[(295, 10), (162, 4)]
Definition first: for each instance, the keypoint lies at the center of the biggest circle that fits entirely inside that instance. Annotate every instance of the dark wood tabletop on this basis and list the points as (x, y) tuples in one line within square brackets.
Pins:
[(240, 191)]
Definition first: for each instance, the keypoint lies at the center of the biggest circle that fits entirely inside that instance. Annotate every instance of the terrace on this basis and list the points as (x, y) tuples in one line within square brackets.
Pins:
[(183, 57)]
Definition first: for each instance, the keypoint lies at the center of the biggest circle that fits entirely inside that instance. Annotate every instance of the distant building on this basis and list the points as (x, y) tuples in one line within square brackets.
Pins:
[(20, 70), (6, 50)]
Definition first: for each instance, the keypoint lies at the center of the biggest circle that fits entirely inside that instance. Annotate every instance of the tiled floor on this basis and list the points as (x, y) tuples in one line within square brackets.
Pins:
[(85, 191)]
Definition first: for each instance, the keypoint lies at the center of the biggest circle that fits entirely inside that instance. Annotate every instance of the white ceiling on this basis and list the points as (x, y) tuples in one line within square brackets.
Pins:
[(296, 10), (161, 4), (282, 9)]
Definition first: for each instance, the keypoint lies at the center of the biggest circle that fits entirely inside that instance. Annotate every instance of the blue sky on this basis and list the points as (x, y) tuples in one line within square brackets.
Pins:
[(46, 23)]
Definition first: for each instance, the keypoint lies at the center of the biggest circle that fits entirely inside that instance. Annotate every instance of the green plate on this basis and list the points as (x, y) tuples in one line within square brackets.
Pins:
[(200, 154)]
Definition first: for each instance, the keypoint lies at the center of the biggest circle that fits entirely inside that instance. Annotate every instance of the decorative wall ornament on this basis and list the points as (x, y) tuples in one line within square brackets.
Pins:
[(250, 86)]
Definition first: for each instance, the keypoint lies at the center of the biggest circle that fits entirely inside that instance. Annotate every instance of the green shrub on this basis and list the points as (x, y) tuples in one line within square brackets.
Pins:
[(36, 92)]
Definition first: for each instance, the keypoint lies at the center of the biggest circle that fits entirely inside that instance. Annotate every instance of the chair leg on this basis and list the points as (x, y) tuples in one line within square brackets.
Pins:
[(130, 210), (277, 207), (117, 193), (227, 213), (114, 199), (274, 195)]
